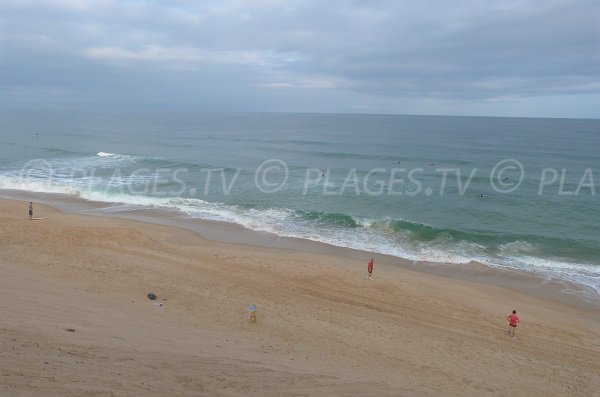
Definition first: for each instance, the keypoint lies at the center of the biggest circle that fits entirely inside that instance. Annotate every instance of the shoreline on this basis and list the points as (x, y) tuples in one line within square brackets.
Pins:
[(529, 283), (77, 320)]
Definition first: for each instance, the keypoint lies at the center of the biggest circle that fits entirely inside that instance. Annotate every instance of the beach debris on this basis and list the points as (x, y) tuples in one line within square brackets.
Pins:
[(158, 304), (252, 313), (151, 296), (70, 329)]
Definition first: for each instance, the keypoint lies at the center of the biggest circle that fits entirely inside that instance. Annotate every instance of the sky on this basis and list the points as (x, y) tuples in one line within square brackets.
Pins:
[(464, 57)]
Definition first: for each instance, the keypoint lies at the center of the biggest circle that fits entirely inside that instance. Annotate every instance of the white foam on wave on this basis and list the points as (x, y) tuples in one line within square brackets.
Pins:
[(370, 236), (578, 273), (554, 269), (114, 157), (517, 248), (37, 186)]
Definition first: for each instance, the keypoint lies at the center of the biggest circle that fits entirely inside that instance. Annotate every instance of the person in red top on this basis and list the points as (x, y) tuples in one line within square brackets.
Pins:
[(513, 320), (370, 269)]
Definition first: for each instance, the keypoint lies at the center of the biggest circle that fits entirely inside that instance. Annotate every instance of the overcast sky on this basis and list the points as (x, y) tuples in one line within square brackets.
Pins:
[(502, 58)]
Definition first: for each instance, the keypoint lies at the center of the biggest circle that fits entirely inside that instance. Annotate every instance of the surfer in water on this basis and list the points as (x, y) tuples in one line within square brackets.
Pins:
[(30, 210)]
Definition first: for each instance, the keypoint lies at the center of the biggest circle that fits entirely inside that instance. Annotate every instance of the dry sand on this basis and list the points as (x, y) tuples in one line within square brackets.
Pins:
[(75, 321)]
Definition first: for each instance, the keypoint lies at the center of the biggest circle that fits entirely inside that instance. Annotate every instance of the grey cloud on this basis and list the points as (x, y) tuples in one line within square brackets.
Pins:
[(239, 54)]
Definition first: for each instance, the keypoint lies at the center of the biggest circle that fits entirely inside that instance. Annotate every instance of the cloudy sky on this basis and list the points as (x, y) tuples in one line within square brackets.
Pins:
[(503, 58)]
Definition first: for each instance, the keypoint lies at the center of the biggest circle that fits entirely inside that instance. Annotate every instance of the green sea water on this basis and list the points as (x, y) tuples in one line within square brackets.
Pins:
[(512, 193)]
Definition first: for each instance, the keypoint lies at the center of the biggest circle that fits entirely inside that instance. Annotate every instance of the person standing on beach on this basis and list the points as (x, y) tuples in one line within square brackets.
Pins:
[(30, 210), (513, 320), (370, 269)]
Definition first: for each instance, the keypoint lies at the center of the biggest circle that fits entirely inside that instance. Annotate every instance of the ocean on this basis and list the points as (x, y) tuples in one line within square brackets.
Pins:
[(510, 193)]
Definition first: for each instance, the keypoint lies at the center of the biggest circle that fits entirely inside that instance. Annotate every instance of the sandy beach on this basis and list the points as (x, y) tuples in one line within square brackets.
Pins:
[(75, 320)]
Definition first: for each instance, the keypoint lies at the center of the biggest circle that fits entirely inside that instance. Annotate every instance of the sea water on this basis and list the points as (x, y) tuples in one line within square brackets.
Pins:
[(513, 193)]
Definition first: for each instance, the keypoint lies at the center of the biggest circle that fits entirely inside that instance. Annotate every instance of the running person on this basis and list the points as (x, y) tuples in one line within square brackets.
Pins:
[(370, 269), (513, 320)]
